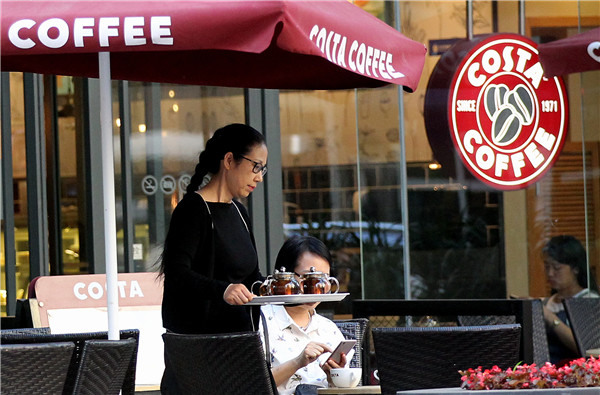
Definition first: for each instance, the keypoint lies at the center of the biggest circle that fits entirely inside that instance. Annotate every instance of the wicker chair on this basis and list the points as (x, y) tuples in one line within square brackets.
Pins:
[(78, 339), (539, 340), (103, 366), (218, 364), (430, 357), (356, 329), (479, 320), (584, 317), (35, 368), (26, 331)]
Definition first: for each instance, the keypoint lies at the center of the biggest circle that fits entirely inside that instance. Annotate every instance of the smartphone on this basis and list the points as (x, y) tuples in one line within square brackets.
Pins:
[(344, 347)]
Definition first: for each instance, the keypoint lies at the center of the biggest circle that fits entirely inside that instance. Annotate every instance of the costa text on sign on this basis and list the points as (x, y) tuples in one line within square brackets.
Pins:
[(95, 290)]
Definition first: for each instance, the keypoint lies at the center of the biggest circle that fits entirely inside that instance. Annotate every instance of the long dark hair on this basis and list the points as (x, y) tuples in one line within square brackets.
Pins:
[(237, 138), (567, 250), (295, 246)]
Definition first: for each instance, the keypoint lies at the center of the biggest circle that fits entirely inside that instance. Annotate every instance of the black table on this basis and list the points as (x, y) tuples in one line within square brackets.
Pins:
[(521, 308)]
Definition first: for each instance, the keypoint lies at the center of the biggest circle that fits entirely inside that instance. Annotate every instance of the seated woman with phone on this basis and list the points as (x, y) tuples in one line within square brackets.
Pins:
[(301, 341)]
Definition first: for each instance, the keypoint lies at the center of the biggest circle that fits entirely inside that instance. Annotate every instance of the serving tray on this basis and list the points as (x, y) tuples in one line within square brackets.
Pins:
[(300, 298)]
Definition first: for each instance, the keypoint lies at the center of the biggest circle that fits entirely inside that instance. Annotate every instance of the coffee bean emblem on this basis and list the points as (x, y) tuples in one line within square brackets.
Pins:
[(522, 102), (506, 125), (509, 111), (494, 98)]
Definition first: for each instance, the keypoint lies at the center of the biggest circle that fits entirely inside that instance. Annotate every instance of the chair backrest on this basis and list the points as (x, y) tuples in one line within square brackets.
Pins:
[(103, 366), (78, 339), (584, 317), (430, 357), (218, 364), (25, 331), (35, 368), (539, 339), (356, 329), (478, 320)]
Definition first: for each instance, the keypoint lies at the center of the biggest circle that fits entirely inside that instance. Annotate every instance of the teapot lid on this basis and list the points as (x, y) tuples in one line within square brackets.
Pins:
[(314, 273), (282, 273)]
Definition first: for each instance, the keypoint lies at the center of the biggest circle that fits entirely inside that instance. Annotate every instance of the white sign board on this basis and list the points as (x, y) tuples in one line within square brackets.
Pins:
[(75, 304)]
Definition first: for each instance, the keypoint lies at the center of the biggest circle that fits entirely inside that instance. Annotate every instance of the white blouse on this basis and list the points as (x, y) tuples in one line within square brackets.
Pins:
[(287, 340)]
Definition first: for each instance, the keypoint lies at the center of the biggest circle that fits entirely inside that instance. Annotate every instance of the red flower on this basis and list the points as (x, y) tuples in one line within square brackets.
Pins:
[(578, 373)]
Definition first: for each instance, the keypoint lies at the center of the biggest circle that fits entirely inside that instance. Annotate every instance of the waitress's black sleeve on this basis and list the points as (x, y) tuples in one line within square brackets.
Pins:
[(192, 295)]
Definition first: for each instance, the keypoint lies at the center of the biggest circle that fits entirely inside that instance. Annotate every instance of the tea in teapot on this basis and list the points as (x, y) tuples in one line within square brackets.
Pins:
[(315, 282), (280, 283)]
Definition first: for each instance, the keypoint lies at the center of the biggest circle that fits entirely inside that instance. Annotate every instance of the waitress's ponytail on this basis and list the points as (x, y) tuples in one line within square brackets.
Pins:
[(209, 161), (196, 179)]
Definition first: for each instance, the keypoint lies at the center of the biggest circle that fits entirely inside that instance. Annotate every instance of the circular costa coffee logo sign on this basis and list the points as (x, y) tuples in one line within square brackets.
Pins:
[(507, 121)]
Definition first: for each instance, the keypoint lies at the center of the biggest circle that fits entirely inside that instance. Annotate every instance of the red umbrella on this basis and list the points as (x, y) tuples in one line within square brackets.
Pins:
[(574, 54), (257, 44), (328, 44)]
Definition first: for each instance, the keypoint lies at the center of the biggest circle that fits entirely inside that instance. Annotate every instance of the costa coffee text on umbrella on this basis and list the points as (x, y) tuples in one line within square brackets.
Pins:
[(55, 32), (361, 57)]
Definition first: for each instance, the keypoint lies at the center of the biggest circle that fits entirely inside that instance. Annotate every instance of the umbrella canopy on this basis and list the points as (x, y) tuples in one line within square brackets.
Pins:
[(257, 44), (574, 54), (295, 44)]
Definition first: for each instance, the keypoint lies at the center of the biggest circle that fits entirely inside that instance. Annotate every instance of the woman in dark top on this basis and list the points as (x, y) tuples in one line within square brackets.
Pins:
[(209, 260), (565, 267)]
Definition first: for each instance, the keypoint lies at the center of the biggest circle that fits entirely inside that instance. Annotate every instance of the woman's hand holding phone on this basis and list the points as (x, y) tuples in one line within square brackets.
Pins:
[(340, 353)]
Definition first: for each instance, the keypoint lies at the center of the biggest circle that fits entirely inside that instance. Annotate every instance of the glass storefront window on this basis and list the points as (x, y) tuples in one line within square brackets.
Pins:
[(566, 201), (454, 227), (318, 149), (19, 184), (69, 193), (169, 126), (343, 170)]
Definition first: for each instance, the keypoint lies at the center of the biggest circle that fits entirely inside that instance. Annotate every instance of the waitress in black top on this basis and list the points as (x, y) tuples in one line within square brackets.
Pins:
[(209, 260)]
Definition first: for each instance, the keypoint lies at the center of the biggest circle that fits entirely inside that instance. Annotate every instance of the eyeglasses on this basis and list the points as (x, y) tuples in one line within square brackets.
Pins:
[(258, 167)]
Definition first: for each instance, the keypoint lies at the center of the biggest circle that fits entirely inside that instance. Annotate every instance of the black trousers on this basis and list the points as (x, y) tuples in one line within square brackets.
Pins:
[(168, 384)]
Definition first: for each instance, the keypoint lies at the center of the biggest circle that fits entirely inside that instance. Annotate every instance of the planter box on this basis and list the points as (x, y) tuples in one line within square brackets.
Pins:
[(549, 391)]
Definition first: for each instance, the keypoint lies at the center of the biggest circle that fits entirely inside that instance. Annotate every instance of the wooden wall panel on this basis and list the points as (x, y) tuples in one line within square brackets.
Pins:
[(557, 205)]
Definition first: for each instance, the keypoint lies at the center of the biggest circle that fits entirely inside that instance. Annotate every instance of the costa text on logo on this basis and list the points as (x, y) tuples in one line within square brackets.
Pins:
[(507, 121)]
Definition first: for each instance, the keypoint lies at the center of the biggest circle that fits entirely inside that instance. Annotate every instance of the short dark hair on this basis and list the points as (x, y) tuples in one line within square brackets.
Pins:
[(567, 250), (293, 248)]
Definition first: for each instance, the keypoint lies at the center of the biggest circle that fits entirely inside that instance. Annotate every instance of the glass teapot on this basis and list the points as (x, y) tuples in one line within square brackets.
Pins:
[(315, 282), (280, 283)]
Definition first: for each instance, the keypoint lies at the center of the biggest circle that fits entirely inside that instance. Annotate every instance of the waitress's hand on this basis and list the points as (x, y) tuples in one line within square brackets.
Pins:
[(237, 294)]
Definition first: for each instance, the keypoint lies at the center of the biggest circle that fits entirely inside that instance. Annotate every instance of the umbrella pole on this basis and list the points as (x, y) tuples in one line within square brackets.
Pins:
[(108, 181)]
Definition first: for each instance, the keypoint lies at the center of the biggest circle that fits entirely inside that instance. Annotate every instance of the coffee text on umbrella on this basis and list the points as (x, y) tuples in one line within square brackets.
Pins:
[(55, 32)]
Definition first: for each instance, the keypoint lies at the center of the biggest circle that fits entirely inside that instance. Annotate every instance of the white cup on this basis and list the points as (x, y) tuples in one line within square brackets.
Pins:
[(346, 377)]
